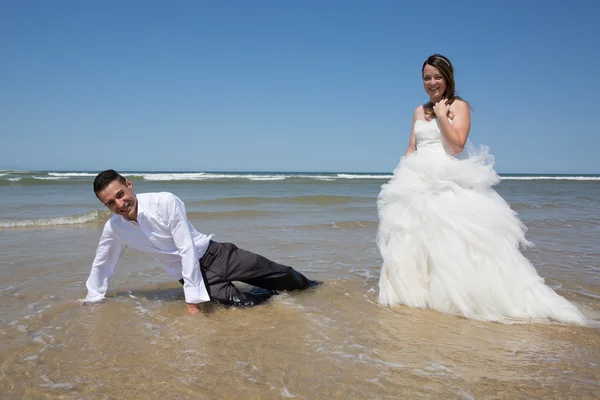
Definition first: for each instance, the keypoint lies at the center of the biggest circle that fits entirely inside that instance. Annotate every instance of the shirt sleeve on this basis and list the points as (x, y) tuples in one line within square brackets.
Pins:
[(194, 287), (108, 253)]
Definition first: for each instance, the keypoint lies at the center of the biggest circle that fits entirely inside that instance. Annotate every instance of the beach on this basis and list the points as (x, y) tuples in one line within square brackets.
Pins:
[(332, 342)]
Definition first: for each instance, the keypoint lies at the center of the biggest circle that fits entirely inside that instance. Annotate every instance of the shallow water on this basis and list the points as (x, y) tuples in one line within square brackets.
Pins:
[(331, 342)]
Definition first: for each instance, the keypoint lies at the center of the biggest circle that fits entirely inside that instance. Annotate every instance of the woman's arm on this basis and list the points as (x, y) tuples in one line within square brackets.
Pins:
[(455, 132), (412, 143)]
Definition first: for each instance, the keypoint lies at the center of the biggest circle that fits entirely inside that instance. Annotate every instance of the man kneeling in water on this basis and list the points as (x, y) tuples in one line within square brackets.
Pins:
[(157, 223)]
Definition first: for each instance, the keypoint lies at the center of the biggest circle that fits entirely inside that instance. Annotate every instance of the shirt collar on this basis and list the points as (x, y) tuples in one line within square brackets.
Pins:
[(141, 207)]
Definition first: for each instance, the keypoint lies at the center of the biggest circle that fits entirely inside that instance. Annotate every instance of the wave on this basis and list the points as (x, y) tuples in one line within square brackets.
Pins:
[(550, 177), (228, 214), (582, 225), (345, 225), (71, 174), (353, 224), (211, 176), (33, 178), (101, 216), (314, 199), (542, 205), (201, 176), (77, 219), (362, 176), (38, 177)]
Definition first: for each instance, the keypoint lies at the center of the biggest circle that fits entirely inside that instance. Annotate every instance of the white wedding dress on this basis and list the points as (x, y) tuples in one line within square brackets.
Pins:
[(450, 243)]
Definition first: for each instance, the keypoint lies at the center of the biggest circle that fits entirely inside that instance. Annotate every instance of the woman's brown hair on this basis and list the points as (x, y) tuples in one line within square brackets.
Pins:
[(445, 67)]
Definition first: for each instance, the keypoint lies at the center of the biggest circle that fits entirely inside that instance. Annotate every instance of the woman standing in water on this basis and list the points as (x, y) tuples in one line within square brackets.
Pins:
[(448, 241)]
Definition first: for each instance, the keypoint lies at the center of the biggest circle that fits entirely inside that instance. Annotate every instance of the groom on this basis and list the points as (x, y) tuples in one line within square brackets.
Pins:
[(157, 223)]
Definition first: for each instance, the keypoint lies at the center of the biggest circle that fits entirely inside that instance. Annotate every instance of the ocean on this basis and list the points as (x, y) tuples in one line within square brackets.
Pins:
[(334, 342)]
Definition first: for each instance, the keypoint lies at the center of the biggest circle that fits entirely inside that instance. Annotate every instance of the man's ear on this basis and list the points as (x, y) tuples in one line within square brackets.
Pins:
[(129, 183)]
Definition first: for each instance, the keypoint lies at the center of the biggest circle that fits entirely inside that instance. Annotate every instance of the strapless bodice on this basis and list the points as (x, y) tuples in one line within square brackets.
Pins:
[(429, 136)]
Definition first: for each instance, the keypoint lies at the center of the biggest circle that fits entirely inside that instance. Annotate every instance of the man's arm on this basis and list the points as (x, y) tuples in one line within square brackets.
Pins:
[(108, 253), (194, 287)]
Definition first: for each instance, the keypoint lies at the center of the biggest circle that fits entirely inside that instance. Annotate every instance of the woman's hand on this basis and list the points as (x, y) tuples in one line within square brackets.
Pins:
[(441, 108)]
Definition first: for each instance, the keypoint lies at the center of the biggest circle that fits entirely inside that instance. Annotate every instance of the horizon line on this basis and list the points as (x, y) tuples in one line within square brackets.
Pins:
[(278, 172)]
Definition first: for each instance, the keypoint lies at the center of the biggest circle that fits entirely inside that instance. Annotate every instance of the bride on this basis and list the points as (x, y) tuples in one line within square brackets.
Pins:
[(448, 241)]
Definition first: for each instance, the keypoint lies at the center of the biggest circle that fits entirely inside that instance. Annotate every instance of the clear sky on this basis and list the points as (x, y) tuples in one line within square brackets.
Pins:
[(290, 85)]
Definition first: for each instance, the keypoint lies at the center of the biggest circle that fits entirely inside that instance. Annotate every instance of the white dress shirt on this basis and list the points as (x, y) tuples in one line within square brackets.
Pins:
[(162, 228)]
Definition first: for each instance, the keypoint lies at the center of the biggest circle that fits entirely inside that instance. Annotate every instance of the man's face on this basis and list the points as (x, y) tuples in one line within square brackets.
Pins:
[(120, 199)]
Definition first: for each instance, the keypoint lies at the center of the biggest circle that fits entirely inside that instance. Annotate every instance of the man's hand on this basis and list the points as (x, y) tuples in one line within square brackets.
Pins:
[(192, 308)]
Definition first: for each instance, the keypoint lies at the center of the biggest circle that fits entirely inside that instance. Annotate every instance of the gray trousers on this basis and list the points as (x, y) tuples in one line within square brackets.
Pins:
[(225, 262)]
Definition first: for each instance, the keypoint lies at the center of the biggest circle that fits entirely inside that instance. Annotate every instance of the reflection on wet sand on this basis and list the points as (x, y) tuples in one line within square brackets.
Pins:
[(332, 343)]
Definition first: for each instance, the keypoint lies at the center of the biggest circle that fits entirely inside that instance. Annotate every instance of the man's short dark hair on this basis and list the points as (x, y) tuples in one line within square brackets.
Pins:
[(104, 178)]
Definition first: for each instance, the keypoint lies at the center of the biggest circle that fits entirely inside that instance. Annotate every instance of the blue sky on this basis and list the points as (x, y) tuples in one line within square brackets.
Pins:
[(290, 86)]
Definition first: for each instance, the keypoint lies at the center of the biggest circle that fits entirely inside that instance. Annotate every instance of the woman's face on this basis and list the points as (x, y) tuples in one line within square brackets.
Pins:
[(433, 83)]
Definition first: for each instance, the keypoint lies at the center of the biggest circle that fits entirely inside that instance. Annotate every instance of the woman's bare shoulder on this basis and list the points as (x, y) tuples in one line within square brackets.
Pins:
[(419, 112)]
